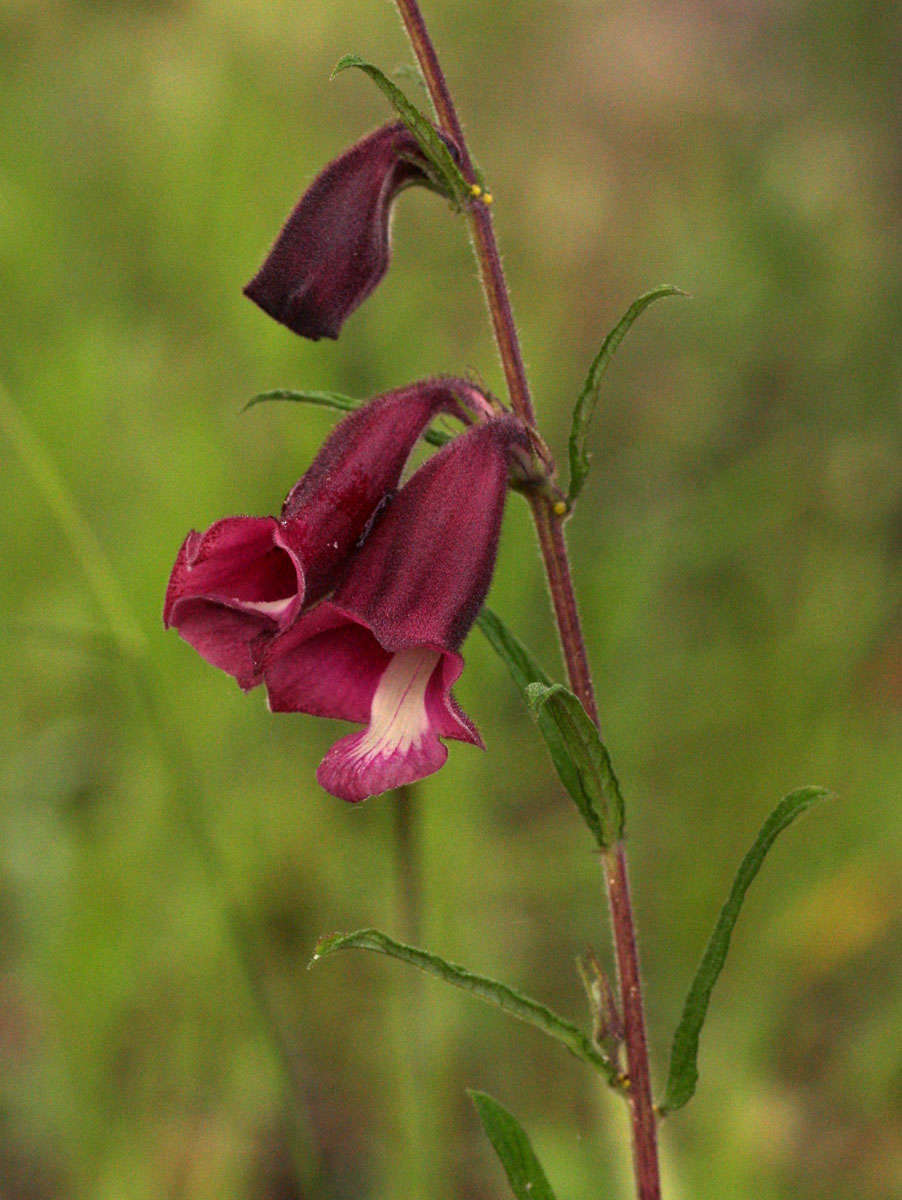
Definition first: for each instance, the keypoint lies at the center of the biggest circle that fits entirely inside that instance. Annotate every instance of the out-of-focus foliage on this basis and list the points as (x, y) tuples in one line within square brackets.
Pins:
[(736, 552)]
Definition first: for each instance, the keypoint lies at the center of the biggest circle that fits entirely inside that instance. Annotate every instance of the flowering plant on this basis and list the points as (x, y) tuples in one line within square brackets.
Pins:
[(355, 601)]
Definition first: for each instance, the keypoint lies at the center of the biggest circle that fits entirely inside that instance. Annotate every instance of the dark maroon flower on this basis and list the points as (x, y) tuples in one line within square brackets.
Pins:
[(334, 248), (246, 579), (383, 651)]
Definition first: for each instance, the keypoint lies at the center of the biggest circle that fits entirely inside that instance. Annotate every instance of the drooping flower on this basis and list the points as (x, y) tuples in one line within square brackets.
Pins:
[(383, 650), (246, 579), (335, 246)]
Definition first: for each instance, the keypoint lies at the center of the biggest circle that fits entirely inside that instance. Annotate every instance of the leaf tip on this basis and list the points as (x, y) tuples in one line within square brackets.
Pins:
[(326, 945), (536, 694), (346, 61)]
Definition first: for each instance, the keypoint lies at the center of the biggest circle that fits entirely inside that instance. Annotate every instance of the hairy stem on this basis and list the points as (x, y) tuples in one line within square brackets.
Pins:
[(550, 533), (485, 244)]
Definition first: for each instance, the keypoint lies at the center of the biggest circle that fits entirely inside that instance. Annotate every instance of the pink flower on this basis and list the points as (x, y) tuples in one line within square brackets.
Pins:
[(247, 579), (334, 248), (383, 650)]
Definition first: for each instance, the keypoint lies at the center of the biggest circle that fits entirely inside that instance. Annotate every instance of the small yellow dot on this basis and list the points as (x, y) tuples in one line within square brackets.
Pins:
[(487, 197), (475, 189), (560, 508)]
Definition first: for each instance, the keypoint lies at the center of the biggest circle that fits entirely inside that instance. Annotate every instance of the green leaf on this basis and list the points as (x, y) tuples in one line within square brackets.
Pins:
[(683, 1075), (523, 667), (580, 758), (435, 437), (507, 1135), (325, 399), (499, 995), (597, 791), (585, 405), (525, 670), (449, 178)]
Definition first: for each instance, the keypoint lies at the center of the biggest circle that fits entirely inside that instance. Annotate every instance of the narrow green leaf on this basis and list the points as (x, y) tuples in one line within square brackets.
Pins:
[(579, 757), (507, 1135), (449, 178), (597, 794), (325, 399), (525, 670), (499, 995), (523, 667), (435, 437), (683, 1075), (588, 397)]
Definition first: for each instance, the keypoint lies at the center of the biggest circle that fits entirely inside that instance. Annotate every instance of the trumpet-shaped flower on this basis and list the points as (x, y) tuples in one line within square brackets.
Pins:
[(246, 579), (383, 650), (335, 246)]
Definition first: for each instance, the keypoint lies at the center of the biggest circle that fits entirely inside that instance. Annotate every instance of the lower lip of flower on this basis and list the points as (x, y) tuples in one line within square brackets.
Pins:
[(398, 716), (399, 745)]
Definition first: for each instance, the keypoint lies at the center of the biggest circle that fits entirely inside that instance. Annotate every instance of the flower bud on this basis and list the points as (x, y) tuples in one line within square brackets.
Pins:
[(335, 246)]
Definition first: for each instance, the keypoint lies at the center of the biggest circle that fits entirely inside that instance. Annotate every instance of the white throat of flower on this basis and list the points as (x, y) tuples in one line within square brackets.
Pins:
[(267, 608), (398, 717)]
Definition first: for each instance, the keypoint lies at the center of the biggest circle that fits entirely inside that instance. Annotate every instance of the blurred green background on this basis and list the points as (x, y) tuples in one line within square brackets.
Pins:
[(735, 552)]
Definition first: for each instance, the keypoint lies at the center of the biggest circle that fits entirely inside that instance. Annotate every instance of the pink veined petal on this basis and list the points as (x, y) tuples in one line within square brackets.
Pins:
[(401, 743), (446, 716)]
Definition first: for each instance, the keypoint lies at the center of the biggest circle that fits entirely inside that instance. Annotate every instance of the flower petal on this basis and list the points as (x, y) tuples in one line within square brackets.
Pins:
[(230, 591), (400, 744), (334, 247), (325, 665)]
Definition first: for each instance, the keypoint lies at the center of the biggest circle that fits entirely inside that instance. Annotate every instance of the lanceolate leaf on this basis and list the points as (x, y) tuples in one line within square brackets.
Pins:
[(489, 990), (588, 397), (683, 1075), (526, 671), (333, 400), (324, 399), (597, 793), (519, 661), (507, 1135), (449, 176)]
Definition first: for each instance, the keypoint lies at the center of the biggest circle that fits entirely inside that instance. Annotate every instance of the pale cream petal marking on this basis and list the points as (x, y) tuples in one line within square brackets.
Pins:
[(398, 717)]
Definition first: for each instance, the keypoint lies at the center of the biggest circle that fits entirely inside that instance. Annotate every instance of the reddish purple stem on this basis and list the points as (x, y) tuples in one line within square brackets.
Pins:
[(549, 528)]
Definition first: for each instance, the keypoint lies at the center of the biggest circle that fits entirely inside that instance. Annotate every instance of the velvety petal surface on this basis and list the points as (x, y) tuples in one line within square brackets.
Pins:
[(247, 579), (326, 665), (399, 744), (330, 665), (383, 650), (334, 248), (231, 589), (424, 571), (357, 468)]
